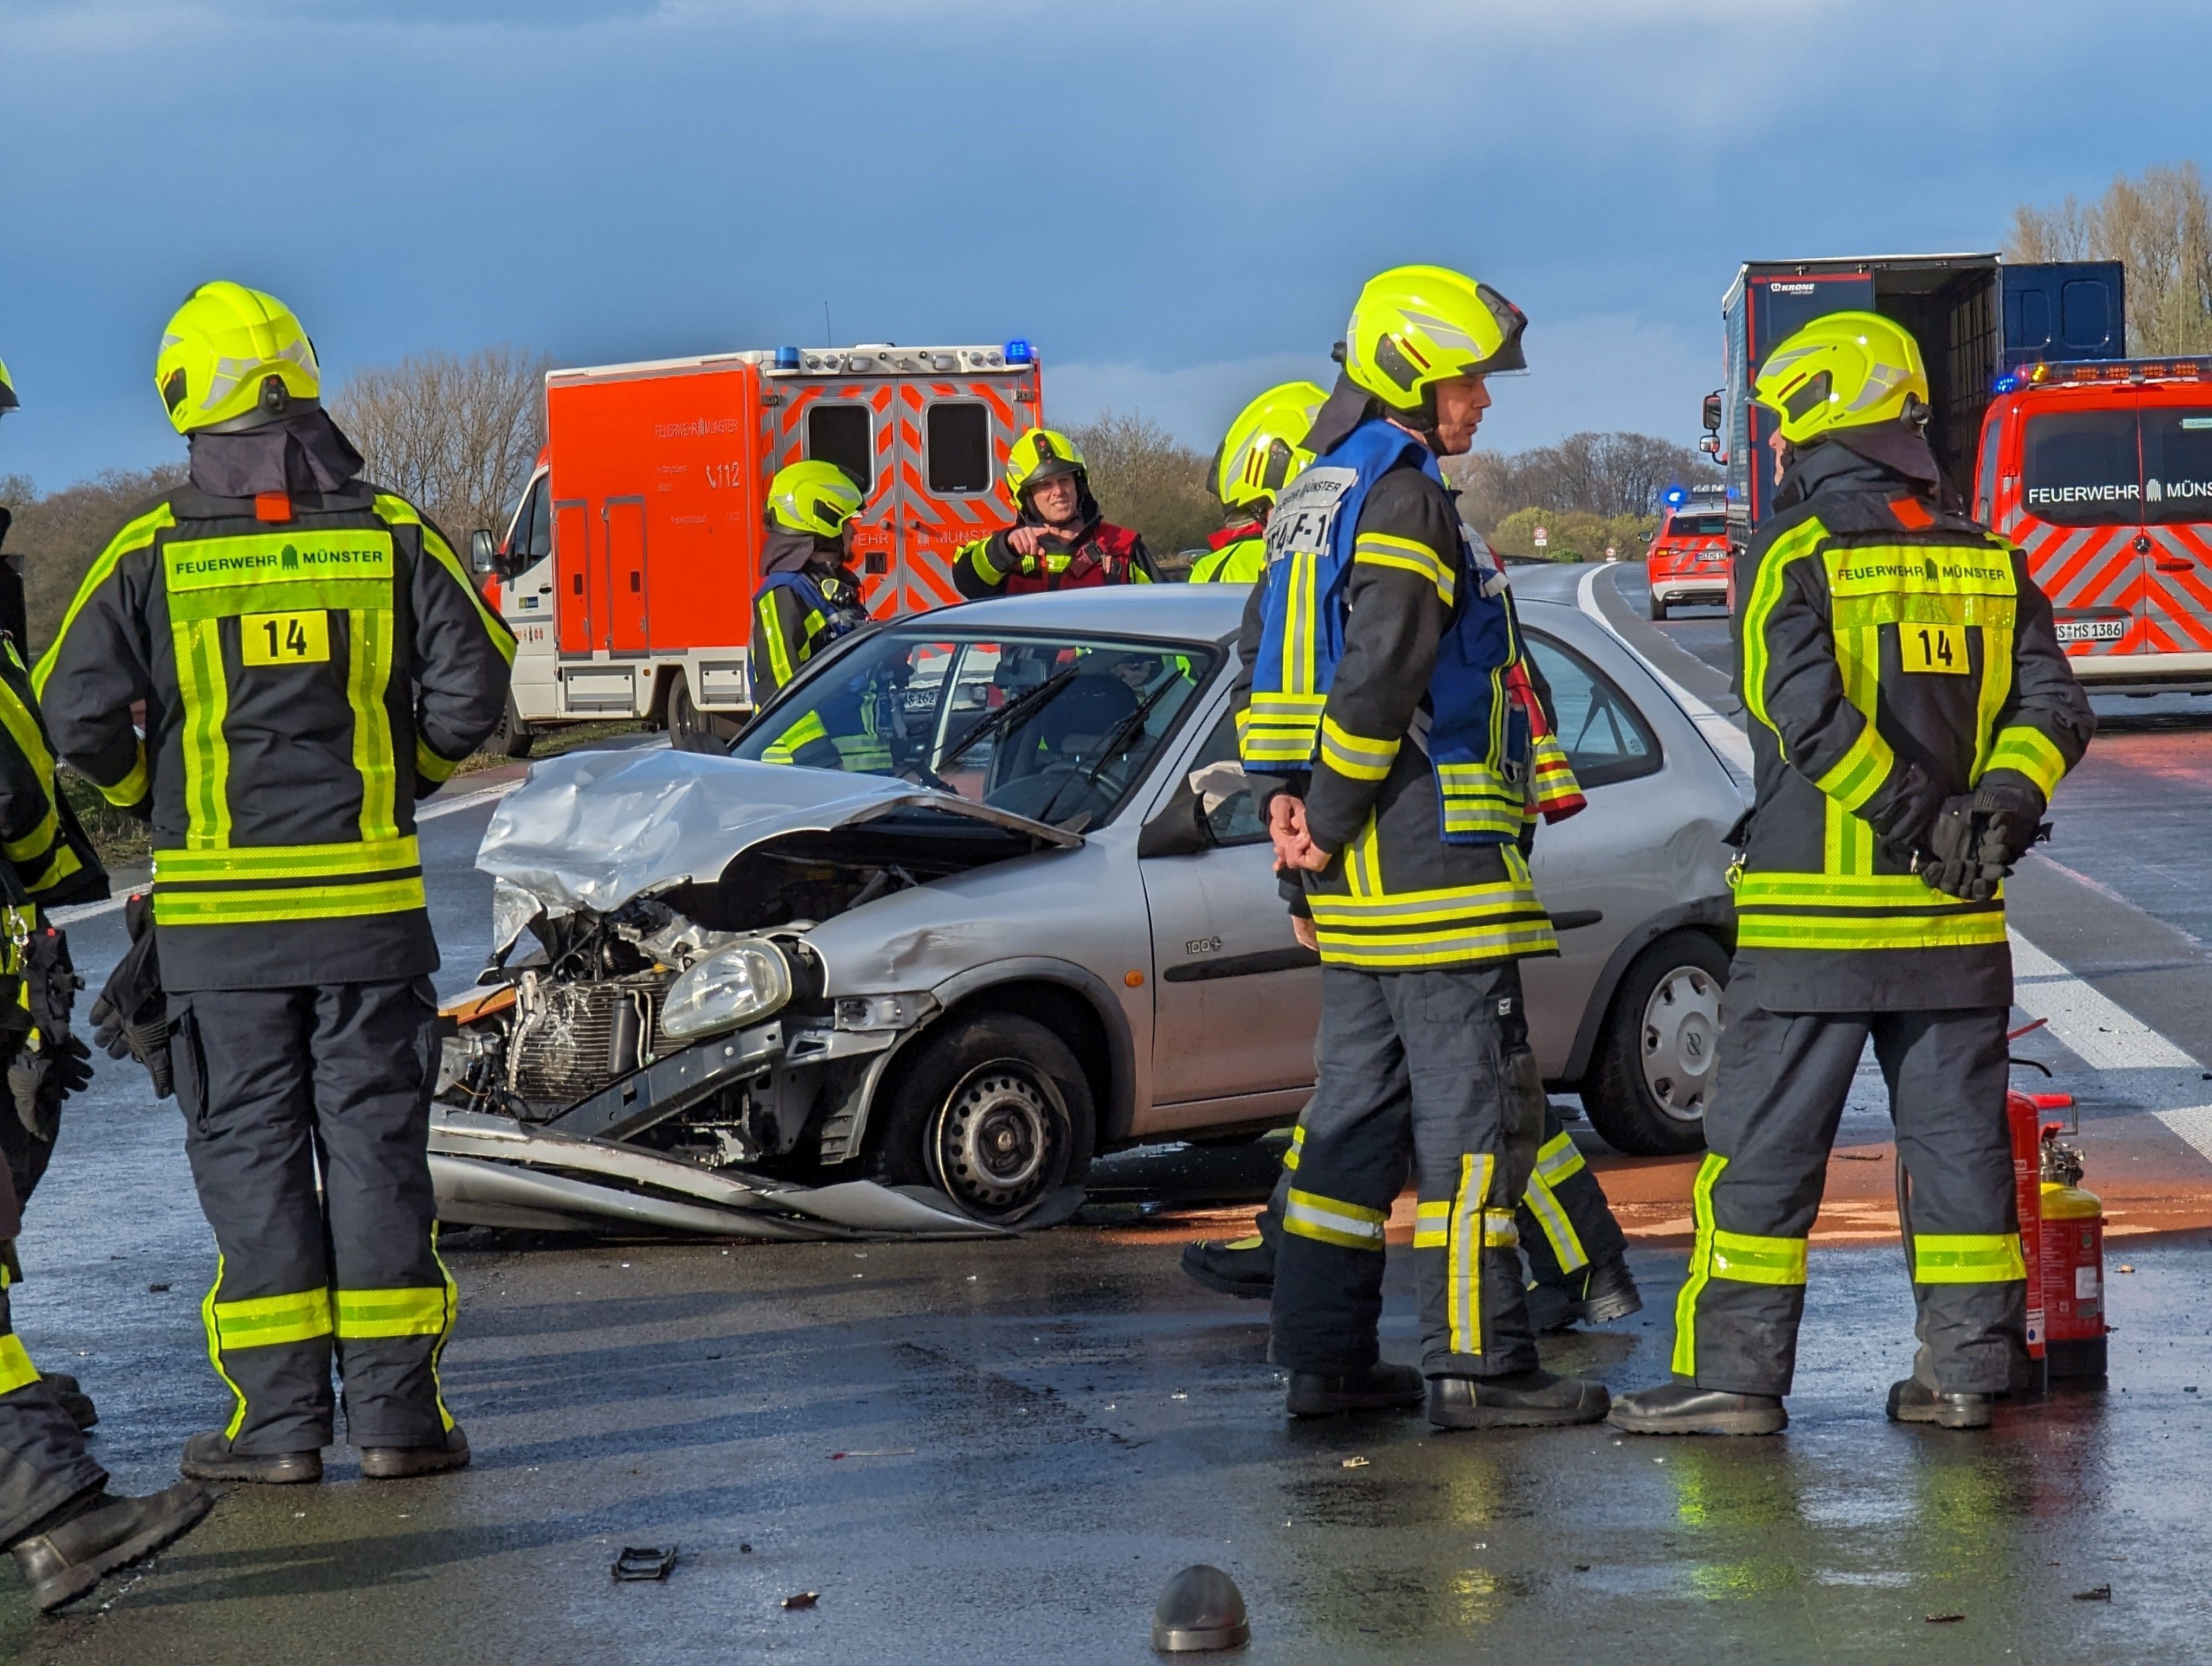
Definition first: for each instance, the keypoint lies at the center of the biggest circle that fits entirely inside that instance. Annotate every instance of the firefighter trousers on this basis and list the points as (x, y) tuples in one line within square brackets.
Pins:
[(1566, 1226), (1782, 1078), (1434, 1067), (43, 1463), (278, 1085)]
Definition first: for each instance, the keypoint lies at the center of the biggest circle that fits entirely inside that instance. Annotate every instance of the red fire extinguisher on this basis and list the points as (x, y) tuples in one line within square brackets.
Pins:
[(2062, 1236)]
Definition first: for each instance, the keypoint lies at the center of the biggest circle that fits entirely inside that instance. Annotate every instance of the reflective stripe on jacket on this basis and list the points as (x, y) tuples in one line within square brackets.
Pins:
[(1241, 560), (304, 681), (1104, 554), (1878, 633), (39, 836), (794, 617)]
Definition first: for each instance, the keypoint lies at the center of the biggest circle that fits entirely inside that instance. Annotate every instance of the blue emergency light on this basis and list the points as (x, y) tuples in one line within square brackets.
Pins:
[(1675, 497), (1018, 351), (786, 358)]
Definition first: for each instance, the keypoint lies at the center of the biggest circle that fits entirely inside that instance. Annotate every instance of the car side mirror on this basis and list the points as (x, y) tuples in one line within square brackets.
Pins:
[(484, 550), (1179, 829)]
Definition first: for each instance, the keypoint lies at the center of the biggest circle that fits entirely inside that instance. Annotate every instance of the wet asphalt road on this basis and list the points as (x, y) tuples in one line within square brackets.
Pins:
[(1039, 1432)]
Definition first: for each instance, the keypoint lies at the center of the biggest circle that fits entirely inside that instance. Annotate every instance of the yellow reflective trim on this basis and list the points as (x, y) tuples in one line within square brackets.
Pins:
[(1749, 1259), (1331, 1221), (1770, 930), (1967, 1258), (1919, 569), (368, 674), (206, 693), (287, 862), (1297, 1145), (1557, 1158), (135, 536), (133, 786), (243, 908), (22, 728), (1408, 554), (250, 561), (1559, 1231), (421, 1310), (784, 748), (16, 1370), (779, 655), (2032, 753), (1685, 1363), (438, 1348), (1766, 594), (214, 1352), (63, 863), (1864, 766), (34, 844), (1463, 1253), (399, 512), (978, 556), (1432, 1225), (1355, 756), (1500, 1230), (267, 1320), (432, 766)]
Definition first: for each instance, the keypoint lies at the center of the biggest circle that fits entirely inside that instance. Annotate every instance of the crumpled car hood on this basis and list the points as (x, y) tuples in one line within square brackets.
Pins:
[(593, 830)]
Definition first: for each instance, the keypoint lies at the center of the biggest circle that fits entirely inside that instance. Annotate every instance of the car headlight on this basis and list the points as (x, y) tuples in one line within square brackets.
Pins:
[(734, 986)]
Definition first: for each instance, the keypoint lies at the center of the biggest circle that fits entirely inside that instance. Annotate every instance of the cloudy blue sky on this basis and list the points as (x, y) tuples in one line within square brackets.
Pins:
[(1176, 199)]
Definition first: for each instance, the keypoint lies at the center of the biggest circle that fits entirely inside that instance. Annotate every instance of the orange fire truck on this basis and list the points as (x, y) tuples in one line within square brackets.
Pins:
[(628, 567), (2101, 472)]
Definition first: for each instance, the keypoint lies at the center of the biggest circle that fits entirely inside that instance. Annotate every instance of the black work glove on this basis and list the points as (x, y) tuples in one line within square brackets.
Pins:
[(130, 1018), (1908, 810), (2009, 818), (1977, 838)]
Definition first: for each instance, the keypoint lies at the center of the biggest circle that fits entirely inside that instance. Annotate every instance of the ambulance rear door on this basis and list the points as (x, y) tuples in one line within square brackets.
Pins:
[(846, 420), (953, 438)]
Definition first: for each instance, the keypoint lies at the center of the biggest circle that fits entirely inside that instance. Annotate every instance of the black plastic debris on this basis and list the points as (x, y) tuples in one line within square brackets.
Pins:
[(2094, 1594), (645, 1562), (1201, 1610), (804, 1599)]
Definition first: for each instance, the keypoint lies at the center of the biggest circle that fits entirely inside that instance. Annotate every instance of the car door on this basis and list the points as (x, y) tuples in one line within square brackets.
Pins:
[(1236, 999), (1604, 871)]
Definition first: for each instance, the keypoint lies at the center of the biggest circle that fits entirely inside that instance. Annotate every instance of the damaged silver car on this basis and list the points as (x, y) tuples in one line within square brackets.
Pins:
[(981, 894)]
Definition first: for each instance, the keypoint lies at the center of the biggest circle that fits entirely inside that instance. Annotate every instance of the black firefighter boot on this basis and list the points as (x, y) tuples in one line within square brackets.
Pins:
[(1597, 1295), (75, 1401), (1243, 1268), (67, 1554), (1380, 1387), (398, 1462), (1681, 1408), (208, 1456), (1913, 1401), (1532, 1399)]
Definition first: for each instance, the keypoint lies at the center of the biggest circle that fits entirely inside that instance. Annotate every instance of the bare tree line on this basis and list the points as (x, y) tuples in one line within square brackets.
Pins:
[(456, 436), (2160, 224)]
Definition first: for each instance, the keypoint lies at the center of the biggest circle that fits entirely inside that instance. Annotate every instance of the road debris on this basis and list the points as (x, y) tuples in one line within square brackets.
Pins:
[(1356, 1463), (804, 1599), (1944, 1619), (887, 1451), (2094, 1594), (644, 1562)]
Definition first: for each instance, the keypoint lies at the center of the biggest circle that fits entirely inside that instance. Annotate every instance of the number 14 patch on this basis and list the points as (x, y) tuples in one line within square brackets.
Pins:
[(284, 639), (1934, 647)]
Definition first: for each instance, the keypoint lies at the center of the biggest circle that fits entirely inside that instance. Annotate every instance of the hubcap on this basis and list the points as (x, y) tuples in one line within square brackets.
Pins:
[(1682, 1028), (997, 1138)]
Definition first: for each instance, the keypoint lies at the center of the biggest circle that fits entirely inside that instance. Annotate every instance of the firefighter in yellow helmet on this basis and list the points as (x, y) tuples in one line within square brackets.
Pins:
[(312, 660), (1261, 453), (1911, 714), (57, 1516), (809, 594), (1059, 540)]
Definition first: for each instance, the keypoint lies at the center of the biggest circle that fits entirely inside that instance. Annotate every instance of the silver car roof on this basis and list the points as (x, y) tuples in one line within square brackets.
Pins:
[(1167, 613)]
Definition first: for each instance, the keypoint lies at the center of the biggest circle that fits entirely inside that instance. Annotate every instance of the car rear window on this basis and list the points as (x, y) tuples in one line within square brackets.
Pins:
[(2177, 463), (2080, 468), (1712, 525)]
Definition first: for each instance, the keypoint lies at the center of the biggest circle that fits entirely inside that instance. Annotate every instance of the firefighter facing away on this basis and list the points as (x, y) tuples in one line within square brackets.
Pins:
[(1912, 713), (65, 1530), (811, 595), (1383, 741), (1260, 454), (314, 660), (1059, 540)]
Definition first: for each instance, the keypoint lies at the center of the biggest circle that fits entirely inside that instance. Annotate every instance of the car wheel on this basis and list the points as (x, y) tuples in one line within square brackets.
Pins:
[(1658, 607), (689, 728), (994, 1111), (513, 738), (1652, 1075)]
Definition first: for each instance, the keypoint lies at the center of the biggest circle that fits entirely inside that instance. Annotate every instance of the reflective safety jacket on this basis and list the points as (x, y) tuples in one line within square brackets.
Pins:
[(1374, 655), (1102, 554), (1238, 556), (310, 664), (795, 616), (38, 832), (1879, 633)]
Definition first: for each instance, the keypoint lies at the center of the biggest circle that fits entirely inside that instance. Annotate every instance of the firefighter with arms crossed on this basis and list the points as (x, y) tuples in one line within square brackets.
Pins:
[(1261, 453), (1059, 540), (1379, 651), (1912, 713), (312, 660), (65, 1530)]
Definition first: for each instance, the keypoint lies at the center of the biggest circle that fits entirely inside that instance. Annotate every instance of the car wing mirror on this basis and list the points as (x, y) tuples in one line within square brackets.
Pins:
[(1179, 829), (484, 550)]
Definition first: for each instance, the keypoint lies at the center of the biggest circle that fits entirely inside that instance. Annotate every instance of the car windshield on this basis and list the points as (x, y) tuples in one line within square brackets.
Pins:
[(1056, 728)]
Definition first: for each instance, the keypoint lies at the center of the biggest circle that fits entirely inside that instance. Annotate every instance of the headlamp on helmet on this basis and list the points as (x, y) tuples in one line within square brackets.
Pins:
[(1038, 456)]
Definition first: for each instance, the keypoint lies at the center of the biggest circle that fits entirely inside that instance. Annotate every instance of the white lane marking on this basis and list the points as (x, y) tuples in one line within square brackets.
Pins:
[(476, 800), (1730, 742), (2135, 1061)]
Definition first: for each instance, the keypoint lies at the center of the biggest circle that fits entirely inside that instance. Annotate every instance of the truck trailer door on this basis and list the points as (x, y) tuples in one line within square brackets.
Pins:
[(2064, 309)]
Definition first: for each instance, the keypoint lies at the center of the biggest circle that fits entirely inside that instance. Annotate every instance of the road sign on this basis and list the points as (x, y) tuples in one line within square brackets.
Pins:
[(1543, 536)]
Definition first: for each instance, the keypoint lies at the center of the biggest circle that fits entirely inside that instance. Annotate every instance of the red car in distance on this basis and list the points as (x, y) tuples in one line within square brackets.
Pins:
[(1688, 562)]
